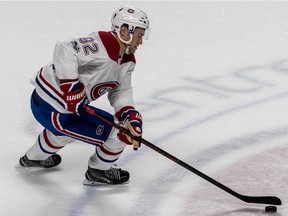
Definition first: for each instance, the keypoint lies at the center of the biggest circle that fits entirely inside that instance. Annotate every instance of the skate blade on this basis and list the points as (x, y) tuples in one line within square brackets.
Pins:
[(93, 183)]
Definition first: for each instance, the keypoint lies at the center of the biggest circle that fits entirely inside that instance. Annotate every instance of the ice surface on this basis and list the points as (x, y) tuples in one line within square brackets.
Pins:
[(211, 83)]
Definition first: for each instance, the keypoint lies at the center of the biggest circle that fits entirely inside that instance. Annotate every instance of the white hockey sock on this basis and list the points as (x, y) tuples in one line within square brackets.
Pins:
[(46, 145), (108, 153)]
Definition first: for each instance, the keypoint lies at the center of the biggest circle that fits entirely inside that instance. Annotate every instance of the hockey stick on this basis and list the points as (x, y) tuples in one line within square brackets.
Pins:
[(249, 199)]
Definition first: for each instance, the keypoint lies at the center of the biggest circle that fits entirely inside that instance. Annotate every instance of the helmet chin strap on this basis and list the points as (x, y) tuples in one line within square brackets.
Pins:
[(127, 43)]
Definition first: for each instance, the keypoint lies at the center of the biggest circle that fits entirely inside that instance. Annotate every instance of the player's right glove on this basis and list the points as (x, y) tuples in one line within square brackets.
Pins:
[(74, 95), (131, 120)]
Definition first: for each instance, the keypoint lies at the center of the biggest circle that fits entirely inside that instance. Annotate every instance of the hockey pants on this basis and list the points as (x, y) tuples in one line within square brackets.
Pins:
[(62, 129)]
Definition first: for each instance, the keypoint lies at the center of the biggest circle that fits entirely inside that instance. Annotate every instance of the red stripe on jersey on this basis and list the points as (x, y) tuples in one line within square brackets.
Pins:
[(48, 84), (111, 44), (56, 124), (48, 142), (105, 151)]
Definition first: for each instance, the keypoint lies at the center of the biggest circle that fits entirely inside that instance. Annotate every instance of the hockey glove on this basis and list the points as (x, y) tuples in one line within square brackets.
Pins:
[(131, 120), (74, 95)]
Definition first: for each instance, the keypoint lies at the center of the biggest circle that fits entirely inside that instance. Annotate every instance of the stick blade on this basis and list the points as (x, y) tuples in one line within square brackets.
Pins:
[(263, 200)]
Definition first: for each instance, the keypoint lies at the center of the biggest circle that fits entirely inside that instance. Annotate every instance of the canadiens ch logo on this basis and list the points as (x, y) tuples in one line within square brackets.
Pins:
[(99, 130), (102, 88)]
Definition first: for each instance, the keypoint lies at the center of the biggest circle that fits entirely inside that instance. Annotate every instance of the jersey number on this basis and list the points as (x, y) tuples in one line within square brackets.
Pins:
[(89, 46)]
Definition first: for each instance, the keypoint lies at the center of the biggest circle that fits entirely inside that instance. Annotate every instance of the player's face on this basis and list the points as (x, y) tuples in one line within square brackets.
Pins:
[(136, 40)]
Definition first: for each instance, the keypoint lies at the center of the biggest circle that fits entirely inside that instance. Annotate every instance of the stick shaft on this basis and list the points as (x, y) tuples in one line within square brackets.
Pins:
[(249, 199)]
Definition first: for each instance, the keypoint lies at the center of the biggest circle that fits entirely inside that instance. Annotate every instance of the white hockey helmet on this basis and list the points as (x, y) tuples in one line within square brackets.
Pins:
[(131, 16)]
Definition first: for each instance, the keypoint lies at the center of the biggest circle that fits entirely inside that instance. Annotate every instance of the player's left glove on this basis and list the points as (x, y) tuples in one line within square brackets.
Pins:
[(131, 120), (74, 95)]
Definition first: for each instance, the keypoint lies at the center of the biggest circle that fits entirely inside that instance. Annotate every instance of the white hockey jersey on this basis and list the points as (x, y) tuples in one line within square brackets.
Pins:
[(94, 60)]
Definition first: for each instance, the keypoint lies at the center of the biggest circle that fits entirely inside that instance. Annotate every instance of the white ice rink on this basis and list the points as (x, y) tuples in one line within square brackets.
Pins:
[(211, 83)]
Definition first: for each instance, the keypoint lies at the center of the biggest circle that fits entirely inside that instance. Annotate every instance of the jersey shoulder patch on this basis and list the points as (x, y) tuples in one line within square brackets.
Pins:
[(111, 44)]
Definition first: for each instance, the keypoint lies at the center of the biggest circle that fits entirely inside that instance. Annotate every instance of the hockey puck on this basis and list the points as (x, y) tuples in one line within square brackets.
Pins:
[(271, 209)]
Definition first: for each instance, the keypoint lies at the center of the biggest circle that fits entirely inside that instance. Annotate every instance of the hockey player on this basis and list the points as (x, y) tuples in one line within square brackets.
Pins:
[(83, 69)]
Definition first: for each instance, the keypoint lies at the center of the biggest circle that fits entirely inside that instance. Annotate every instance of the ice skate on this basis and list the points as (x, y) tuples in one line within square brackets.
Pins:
[(51, 161), (113, 176)]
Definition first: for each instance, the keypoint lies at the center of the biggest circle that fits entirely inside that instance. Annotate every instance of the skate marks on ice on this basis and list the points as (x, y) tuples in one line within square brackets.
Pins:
[(243, 164), (51, 187), (101, 200), (258, 174), (244, 212), (262, 85)]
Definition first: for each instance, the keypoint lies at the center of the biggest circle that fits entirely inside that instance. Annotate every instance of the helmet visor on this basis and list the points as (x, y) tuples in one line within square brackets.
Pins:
[(147, 34)]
